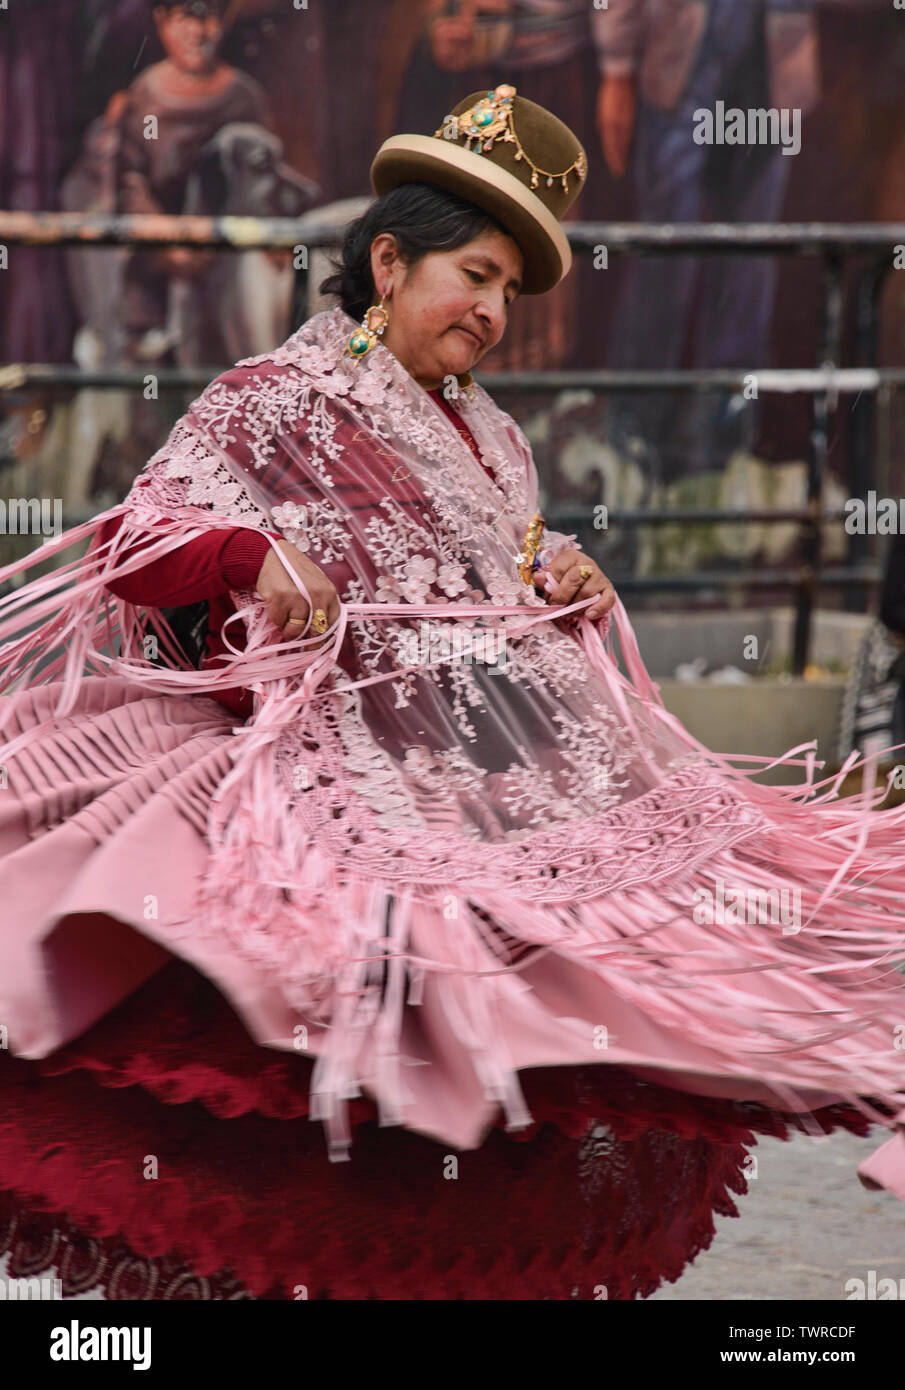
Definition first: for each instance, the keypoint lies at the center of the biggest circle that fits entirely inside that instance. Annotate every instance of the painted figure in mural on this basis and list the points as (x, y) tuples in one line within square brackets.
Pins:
[(95, 274), (191, 134), (240, 304), (663, 61), (545, 48), (172, 110), (38, 80)]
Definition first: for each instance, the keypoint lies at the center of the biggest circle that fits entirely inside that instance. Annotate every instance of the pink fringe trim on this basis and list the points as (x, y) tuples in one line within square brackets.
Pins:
[(64, 627)]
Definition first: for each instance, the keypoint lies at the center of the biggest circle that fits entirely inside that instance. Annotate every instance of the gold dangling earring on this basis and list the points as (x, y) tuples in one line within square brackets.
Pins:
[(466, 383), (364, 338)]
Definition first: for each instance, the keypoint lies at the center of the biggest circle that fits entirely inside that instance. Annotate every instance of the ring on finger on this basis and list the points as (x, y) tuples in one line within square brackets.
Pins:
[(586, 571), (319, 622)]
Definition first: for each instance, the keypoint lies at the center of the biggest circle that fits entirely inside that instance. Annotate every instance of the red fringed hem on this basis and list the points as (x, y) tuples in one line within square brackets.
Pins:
[(245, 1203)]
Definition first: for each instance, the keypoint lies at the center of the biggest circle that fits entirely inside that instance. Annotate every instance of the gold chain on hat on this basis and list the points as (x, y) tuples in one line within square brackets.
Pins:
[(490, 119)]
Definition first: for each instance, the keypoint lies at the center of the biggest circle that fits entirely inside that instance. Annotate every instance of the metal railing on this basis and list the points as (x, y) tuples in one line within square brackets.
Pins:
[(833, 244)]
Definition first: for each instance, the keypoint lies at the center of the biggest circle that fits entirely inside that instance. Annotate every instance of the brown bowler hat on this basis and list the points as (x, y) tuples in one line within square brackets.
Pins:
[(507, 155)]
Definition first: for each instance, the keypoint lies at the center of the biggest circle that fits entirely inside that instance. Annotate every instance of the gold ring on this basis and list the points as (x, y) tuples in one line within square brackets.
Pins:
[(320, 623), (586, 571), (300, 621)]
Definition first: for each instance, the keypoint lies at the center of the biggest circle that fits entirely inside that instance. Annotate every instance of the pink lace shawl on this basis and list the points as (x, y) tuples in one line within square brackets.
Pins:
[(450, 749)]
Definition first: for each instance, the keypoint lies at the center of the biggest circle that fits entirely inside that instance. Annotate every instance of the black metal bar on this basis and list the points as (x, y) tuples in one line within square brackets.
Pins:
[(151, 229), (831, 241), (791, 380), (255, 233), (817, 455), (840, 578), (566, 520), (52, 376), (730, 238), (63, 376), (299, 295), (743, 579), (862, 419)]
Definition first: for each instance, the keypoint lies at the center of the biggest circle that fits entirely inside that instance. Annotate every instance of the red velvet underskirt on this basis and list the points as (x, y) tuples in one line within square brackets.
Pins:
[(246, 1204)]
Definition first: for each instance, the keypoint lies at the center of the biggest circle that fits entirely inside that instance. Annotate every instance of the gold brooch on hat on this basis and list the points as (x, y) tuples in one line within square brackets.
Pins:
[(490, 119)]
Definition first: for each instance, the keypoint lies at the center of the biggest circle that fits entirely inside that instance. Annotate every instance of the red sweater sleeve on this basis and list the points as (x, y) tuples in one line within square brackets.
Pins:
[(209, 565)]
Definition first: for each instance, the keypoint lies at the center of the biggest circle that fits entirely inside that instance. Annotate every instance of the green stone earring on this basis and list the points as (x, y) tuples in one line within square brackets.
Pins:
[(364, 338)]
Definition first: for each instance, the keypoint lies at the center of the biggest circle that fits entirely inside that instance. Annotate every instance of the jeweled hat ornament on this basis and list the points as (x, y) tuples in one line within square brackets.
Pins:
[(507, 155)]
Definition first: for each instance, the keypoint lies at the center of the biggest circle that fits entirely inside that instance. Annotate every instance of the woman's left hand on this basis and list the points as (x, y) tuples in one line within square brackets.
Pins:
[(570, 587)]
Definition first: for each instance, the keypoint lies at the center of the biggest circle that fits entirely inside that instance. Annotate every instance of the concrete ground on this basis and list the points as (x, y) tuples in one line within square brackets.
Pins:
[(805, 1227)]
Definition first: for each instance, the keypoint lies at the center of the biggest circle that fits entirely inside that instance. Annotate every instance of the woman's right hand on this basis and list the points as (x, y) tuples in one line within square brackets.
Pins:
[(285, 601)]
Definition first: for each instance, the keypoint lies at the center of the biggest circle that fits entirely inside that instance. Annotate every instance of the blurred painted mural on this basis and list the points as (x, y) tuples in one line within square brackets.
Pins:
[(274, 107)]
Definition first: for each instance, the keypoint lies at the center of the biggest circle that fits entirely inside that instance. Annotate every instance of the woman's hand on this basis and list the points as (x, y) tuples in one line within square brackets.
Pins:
[(565, 569), (285, 601)]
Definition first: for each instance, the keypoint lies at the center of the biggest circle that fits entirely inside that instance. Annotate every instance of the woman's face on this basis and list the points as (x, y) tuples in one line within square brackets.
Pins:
[(445, 293), (191, 40)]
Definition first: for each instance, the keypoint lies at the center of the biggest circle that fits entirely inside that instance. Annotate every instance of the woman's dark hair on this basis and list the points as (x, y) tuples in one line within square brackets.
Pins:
[(422, 218)]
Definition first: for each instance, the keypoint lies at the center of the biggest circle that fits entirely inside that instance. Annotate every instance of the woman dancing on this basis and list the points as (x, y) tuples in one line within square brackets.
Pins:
[(404, 850)]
